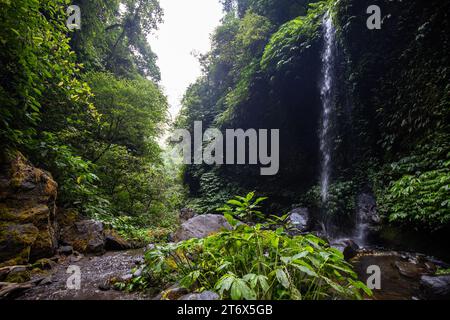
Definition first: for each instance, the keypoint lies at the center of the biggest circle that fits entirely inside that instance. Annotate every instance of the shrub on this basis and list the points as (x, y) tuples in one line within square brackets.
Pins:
[(254, 262), (417, 189)]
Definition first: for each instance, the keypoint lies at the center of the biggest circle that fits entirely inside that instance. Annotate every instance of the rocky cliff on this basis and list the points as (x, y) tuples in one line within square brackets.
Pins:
[(27, 211)]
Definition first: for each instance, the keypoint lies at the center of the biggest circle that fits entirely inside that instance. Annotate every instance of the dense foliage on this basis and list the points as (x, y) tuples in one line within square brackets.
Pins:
[(254, 262), (86, 105), (80, 104), (390, 117)]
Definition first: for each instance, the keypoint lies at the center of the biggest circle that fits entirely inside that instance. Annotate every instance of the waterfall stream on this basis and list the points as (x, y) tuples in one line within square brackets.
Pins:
[(326, 95)]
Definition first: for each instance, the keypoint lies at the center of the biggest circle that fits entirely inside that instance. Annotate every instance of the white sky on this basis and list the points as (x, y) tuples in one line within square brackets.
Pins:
[(187, 27)]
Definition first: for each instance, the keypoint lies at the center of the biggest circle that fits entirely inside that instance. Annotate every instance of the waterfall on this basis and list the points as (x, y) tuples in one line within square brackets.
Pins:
[(326, 95)]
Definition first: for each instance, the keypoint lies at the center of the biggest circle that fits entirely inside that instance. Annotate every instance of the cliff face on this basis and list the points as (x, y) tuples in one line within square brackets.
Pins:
[(27, 211), (388, 122)]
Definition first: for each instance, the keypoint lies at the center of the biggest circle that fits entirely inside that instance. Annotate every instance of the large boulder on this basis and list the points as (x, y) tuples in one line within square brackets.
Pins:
[(411, 269), (200, 227), (435, 287), (299, 220), (86, 236), (114, 242), (27, 211)]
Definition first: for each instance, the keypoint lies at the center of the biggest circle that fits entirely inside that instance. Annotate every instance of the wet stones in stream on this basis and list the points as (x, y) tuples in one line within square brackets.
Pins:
[(401, 273), (435, 287)]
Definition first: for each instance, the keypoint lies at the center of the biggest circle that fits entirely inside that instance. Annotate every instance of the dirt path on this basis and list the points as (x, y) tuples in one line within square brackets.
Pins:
[(95, 271)]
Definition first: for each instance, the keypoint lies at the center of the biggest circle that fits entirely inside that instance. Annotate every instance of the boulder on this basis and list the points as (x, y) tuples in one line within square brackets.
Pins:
[(200, 227), (348, 248), (299, 220), (410, 270), (88, 236), (366, 207), (85, 236), (27, 211), (114, 242), (435, 287), (65, 250), (18, 275), (205, 296), (6, 271), (44, 264)]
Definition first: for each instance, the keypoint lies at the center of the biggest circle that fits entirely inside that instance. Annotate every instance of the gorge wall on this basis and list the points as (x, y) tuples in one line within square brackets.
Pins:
[(389, 123)]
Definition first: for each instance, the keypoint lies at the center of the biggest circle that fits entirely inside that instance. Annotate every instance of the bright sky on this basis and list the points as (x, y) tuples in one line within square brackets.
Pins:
[(187, 27)]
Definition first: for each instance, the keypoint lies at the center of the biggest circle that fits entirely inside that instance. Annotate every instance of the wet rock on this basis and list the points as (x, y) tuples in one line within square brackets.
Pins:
[(201, 227), (173, 293), (431, 267), (75, 257), (44, 264), (27, 211), (105, 285), (8, 273), (435, 287), (86, 236), (18, 275), (367, 208), (65, 250), (410, 270), (127, 277), (138, 272), (206, 295), (114, 242), (186, 214), (299, 219), (46, 281), (348, 248)]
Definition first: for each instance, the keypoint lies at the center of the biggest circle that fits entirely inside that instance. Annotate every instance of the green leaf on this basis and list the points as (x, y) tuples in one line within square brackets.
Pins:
[(282, 278), (240, 290)]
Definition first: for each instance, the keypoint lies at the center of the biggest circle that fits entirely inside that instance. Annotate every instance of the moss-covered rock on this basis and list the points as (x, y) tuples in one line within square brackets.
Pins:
[(27, 211), (113, 241), (18, 276), (86, 236)]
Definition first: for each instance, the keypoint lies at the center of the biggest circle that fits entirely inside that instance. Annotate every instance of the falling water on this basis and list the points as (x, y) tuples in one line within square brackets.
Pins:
[(326, 94)]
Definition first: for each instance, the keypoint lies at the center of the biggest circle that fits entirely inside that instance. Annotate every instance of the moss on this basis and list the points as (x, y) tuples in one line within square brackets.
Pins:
[(80, 245), (67, 217), (20, 259), (43, 264), (19, 277)]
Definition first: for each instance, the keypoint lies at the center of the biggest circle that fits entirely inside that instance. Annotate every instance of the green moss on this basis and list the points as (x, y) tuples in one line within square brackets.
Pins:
[(19, 277), (43, 264)]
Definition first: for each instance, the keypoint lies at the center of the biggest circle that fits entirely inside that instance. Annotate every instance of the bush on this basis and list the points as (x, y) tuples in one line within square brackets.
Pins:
[(417, 190), (254, 262)]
